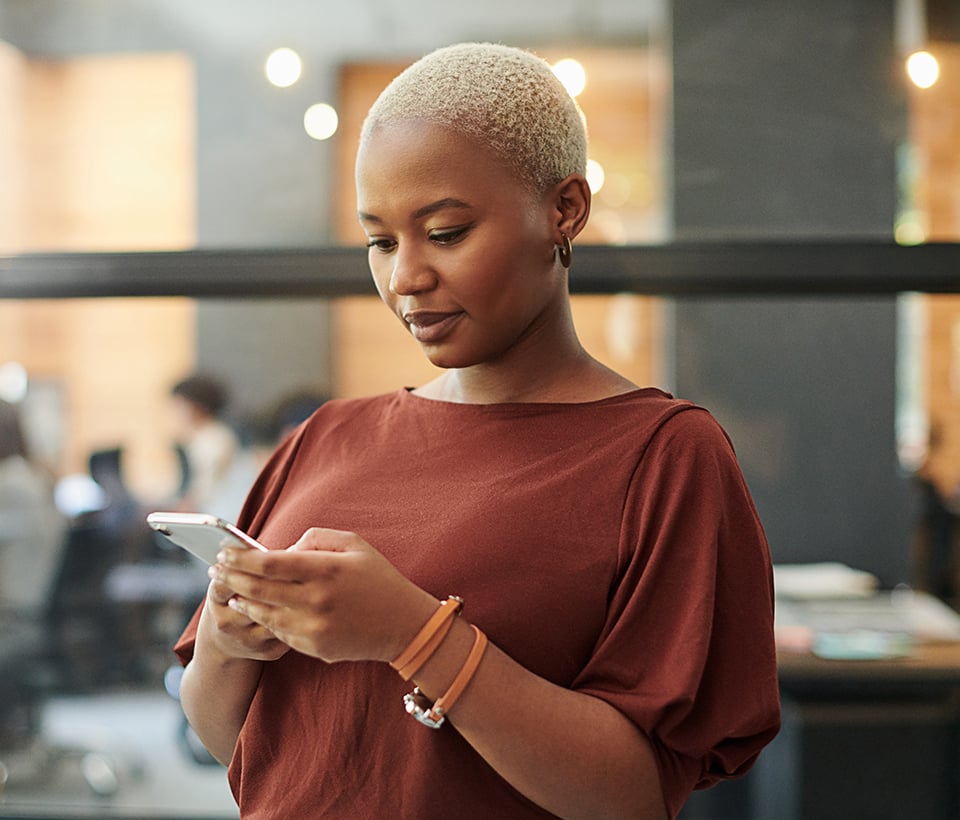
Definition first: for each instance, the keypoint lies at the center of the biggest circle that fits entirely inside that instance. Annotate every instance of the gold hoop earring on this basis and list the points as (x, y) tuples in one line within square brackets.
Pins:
[(565, 249)]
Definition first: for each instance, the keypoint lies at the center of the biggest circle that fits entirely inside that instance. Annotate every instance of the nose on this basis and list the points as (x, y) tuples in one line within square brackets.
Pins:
[(411, 272)]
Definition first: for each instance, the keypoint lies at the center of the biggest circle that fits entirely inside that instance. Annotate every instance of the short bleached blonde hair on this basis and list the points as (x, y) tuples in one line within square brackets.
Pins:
[(503, 97)]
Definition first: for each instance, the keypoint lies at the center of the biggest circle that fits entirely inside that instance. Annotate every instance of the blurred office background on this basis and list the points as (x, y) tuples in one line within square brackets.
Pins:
[(129, 127)]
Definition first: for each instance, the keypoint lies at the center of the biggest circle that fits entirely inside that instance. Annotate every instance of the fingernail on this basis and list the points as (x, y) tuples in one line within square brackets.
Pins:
[(222, 557)]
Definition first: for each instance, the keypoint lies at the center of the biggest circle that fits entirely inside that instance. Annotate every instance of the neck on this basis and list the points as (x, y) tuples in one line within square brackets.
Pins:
[(571, 376)]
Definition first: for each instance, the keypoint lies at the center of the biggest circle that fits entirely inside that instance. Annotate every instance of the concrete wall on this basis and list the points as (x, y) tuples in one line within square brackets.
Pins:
[(787, 121)]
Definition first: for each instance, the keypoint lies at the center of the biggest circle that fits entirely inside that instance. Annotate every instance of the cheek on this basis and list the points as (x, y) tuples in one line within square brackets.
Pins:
[(502, 271)]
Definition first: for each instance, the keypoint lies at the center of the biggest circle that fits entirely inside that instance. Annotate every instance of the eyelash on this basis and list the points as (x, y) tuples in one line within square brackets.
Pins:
[(444, 238), (450, 237)]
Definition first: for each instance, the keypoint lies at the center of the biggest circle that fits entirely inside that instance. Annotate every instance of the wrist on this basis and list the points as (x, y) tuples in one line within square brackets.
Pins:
[(435, 677), (428, 638), (433, 713)]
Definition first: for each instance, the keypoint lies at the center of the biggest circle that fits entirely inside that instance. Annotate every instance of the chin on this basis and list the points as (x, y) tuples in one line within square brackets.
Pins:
[(445, 362), (451, 356), (449, 359)]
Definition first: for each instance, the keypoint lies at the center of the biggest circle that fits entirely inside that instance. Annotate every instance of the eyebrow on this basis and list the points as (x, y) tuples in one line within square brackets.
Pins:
[(420, 213)]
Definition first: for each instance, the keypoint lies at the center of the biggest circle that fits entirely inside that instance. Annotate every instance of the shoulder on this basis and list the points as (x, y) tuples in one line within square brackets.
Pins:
[(683, 441), (653, 418), (694, 426), (672, 421)]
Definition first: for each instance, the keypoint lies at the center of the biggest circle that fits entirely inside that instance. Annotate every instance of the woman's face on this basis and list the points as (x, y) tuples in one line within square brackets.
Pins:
[(460, 251)]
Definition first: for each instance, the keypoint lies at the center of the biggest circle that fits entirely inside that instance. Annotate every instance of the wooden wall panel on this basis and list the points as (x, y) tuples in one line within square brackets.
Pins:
[(13, 69), (123, 356), (110, 154), (942, 384), (99, 154), (935, 132)]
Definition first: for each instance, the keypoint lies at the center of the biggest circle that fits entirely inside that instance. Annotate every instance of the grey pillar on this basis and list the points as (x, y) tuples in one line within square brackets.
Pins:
[(787, 120)]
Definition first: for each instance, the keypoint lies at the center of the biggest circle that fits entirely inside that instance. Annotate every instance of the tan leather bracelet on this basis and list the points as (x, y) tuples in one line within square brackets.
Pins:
[(409, 669), (422, 641), (434, 715)]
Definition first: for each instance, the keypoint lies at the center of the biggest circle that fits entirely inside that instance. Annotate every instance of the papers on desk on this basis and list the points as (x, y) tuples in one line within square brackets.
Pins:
[(836, 612), (828, 579)]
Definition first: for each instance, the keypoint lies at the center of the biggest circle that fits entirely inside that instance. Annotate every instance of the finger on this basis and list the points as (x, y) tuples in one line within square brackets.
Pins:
[(218, 592), (255, 611), (279, 565), (281, 589), (250, 638), (283, 626), (231, 621)]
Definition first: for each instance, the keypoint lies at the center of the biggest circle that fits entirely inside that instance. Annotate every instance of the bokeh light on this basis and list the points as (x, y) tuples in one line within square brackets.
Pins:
[(572, 75), (320, 121), (923, 69), (283, 67)]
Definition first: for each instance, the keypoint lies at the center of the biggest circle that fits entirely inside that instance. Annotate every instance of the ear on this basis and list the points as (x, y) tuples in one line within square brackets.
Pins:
[(572, 200)]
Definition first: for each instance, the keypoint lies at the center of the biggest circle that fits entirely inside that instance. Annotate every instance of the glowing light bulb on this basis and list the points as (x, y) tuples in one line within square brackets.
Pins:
[(283, 67), (320, 121), (923, 69), (595, 175), (572, 75)]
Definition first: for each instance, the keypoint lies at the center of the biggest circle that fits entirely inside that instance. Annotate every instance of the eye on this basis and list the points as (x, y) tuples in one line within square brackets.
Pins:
[(449, 236), (382, 245)]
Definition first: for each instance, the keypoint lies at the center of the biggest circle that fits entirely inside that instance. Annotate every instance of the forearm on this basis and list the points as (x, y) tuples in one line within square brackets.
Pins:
[(572, 754), (215, 693)]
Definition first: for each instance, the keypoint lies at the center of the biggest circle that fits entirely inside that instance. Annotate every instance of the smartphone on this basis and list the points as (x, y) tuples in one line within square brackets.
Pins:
[(201, 534)]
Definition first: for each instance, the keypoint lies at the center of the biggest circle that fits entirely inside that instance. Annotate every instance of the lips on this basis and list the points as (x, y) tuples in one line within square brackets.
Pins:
[(429, 327)]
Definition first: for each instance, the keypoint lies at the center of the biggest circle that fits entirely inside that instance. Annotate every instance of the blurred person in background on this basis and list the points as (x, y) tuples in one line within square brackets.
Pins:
[(209, 445), (258, 438), (291, 410), (31, 527), (936, 539)]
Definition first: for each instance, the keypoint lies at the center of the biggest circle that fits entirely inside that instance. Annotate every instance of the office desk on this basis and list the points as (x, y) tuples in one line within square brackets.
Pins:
[(933, 664), (870, 739), (861, 740)]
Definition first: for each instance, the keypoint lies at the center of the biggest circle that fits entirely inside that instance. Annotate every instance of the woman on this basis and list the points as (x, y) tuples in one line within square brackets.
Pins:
[(600, 534)]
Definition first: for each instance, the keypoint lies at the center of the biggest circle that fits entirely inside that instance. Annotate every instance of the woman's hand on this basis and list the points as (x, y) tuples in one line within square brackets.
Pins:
[(220, 681), (331, 595), (234, 634)]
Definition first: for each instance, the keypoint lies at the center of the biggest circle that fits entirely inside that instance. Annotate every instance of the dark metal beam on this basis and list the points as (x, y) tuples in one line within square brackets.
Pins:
[(695, 269)]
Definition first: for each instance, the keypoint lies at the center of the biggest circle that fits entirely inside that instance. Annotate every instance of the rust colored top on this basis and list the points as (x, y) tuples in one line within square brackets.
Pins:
[(610, 547)]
